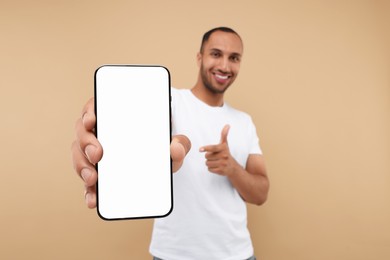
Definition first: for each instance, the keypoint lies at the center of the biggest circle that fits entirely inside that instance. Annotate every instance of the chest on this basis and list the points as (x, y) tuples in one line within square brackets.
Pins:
[(204, 128)]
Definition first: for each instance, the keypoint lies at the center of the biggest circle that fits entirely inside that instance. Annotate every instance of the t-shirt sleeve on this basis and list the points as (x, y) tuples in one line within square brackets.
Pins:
[(254, 145)]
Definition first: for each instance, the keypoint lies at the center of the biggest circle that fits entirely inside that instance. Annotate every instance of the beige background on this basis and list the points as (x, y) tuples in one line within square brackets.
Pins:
[(315, 78)]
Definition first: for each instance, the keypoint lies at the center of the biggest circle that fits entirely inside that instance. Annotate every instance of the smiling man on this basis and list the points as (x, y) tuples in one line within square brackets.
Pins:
[(215, 178), (219, 62), (224, 170)]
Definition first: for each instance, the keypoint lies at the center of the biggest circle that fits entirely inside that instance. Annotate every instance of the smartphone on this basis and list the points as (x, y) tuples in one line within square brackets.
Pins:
[(133, 125)]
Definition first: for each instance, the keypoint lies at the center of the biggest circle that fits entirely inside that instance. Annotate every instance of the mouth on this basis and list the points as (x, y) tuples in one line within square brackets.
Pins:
[(221, 78)]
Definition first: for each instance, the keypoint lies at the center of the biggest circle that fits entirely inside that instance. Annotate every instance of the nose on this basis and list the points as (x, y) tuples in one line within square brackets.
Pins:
[(224, 64)]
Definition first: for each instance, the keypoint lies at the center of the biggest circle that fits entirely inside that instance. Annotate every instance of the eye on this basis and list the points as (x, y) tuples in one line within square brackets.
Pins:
[(235, 58), (215, 54)]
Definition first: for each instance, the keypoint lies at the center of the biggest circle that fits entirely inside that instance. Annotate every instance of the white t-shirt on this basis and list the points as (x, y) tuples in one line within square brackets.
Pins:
[(209, 218)]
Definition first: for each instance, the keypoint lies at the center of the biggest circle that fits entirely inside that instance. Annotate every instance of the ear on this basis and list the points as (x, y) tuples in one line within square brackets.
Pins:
[(199, 59)]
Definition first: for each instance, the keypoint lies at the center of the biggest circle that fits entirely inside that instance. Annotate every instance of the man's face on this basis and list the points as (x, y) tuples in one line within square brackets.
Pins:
[(220, 61)]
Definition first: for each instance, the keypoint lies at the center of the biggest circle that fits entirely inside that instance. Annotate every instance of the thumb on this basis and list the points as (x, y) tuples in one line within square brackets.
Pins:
[(180, 146), (224, 134)]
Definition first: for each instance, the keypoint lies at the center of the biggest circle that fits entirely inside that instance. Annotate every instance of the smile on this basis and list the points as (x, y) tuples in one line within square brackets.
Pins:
[(221, 76)]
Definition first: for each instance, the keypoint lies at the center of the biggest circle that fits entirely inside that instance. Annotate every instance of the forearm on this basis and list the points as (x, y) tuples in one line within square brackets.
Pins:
[(250, 182), (253, 188)]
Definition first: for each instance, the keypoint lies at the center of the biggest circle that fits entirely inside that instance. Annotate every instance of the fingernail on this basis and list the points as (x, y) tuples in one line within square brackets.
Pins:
[(201, 149), (90, 151), (85, 174)]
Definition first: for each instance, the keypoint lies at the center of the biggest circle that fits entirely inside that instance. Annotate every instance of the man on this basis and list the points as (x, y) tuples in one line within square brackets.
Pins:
[(224, 169)]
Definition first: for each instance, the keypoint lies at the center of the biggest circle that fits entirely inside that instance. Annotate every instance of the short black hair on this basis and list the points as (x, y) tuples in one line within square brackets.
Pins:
[(207, 35)]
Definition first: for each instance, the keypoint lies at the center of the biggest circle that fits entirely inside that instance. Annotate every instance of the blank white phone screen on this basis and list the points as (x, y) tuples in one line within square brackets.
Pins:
[(132, 106)]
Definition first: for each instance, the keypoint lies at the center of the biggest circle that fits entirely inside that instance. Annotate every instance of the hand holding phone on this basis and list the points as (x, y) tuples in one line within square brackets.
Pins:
[(132, 106)]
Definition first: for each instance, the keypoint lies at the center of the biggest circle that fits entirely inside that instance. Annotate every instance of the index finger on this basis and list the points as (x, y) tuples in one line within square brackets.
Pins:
[(211, 148)]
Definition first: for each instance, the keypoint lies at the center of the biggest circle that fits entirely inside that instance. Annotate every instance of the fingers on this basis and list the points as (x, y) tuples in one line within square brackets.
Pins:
[(211, 148), (218, 156), (82, 166), (87, 173), (88, 142), (86, 152), (222, 144), (214, 164), (224, 134), (184, 141), (221, 154), (177, 155), (88, 115), (90, 197), (180, 146)]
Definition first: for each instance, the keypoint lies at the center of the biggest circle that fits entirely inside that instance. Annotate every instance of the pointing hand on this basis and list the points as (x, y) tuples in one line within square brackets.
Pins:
[(218, 157)]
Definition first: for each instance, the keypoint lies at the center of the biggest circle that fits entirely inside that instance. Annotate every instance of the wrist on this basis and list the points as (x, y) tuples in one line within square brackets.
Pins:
[(235, 170)]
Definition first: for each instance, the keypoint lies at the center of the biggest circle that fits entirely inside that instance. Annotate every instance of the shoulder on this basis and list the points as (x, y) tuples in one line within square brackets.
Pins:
[(238, 114), (178, 95), (179, 98), (177, 92)]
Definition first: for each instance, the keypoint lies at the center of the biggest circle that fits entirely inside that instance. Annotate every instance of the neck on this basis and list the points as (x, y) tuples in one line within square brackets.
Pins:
[(212, 99)]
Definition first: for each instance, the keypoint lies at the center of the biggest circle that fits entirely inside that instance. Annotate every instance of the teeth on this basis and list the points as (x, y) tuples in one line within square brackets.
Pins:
[(221, 77)]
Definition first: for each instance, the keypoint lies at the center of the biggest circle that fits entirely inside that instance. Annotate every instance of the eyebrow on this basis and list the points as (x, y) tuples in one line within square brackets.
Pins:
[(231, 54)]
